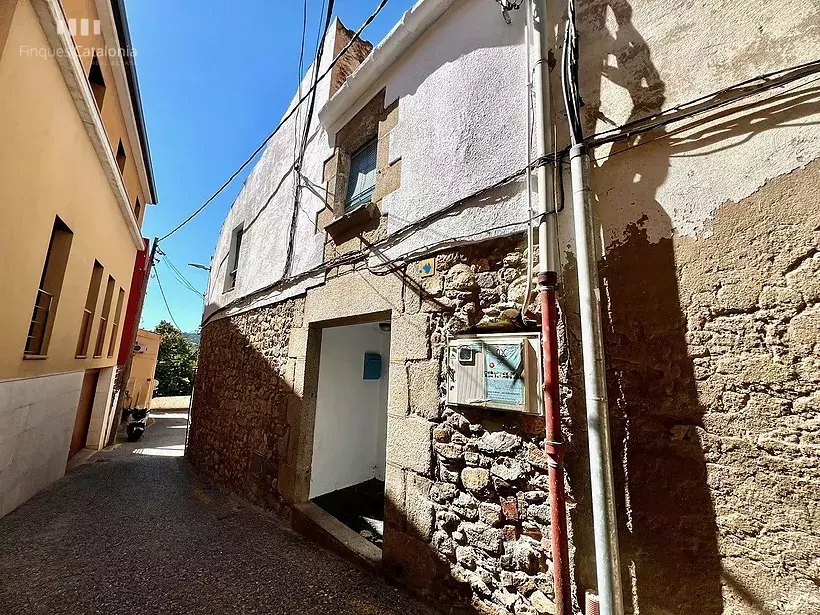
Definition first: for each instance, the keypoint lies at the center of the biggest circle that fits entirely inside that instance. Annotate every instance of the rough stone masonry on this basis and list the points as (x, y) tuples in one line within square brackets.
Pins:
[(713, 372)]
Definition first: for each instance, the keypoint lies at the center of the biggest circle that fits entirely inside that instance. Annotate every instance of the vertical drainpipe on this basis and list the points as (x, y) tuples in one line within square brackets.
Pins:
[(547, 285), (607, 558)]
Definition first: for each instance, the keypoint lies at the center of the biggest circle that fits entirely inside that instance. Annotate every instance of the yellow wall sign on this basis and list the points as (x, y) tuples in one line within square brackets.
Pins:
[(427, 267)]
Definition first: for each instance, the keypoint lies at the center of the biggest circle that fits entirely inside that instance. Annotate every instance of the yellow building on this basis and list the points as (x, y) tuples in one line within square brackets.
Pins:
[(75, 177), (140, 389)]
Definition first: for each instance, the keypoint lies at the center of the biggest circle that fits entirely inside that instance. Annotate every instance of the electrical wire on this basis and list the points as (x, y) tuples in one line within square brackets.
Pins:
[(297, 166), (167, 307), (528, 35), (179, 275), (672, 133), (282, 122), (299, 83), (569, 81), (707, 102), (355, 256)]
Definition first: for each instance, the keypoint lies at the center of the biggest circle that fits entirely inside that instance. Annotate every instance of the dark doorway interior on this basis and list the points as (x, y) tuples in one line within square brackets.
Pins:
[(83, 420), (360, 507)]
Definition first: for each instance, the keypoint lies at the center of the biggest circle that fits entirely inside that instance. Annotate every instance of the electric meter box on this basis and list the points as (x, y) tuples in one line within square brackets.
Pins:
[(496, 372)]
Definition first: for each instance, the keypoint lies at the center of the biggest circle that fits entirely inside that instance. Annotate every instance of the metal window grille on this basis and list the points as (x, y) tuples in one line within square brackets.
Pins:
[(100, 337), (362, 181), (235, 267), (111, 344), (85, 334), (39, 322)]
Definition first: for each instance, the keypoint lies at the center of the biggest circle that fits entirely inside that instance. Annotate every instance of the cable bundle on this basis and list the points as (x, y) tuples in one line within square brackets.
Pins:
[(569, 66)]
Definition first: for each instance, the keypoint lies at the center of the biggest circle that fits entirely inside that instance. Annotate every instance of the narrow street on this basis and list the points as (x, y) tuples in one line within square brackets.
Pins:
[(135, 531)]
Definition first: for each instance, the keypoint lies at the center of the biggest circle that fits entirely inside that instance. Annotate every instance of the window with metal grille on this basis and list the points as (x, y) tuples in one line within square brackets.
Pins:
[(48, 293), (233, 259), (90, 308), (104, 318), (362, 181)]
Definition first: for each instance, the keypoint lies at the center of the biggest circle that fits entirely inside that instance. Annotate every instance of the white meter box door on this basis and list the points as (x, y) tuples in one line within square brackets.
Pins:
[(498, 372)]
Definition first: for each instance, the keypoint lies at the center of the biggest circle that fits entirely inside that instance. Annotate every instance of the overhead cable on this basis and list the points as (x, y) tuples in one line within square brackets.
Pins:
[(297, 165), (287, 116), (164, 298), (179, 275)]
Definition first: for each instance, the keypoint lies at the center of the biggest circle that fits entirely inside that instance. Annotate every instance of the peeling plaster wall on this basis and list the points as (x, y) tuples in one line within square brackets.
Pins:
[(638, 58), (708, 234)]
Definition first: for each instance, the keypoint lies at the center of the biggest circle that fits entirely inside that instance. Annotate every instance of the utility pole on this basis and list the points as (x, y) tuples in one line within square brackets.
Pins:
[(125, 374)]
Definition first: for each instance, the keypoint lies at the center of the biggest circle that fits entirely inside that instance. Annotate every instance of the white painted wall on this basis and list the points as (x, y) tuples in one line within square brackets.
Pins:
[(36, 424), (462, 101), (384, 384), (265, 205), (474, 87), (351, 413)]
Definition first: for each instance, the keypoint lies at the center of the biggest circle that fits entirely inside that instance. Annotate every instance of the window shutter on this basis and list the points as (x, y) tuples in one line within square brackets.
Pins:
[(362, 181)]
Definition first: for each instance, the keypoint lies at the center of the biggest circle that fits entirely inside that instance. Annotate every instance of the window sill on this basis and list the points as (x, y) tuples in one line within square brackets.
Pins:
[(340, 228), (35, 357), (81, 356)]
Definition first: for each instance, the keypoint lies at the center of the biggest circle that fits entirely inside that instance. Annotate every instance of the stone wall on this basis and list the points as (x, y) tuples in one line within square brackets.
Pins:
[(239, 432), (713, 367), (474, 518)]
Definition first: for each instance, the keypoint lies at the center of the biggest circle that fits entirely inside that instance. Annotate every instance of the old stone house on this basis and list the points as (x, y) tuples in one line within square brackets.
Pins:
[(338, 283)]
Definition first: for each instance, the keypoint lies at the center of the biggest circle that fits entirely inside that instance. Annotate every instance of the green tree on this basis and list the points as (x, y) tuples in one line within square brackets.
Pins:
[(175, 362)]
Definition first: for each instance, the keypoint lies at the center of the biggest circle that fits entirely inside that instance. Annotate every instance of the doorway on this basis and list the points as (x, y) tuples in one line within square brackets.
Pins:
[(350, 434), (84, 408)]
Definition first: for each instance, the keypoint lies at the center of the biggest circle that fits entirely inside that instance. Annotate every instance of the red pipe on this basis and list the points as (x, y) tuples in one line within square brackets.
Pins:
[(548, 282)]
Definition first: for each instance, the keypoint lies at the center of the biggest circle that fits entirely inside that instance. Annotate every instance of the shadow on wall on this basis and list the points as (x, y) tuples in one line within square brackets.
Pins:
[(240, 431), (669, 534), (668, 531)]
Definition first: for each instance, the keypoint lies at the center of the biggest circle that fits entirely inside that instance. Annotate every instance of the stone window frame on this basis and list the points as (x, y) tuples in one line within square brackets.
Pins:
[(374, 121)]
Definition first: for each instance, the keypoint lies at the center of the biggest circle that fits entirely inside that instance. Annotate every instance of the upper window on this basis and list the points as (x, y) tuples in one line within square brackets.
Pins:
[(233, 258), (362, 181), (97, 82), (121, 157), (106, 313), (90, 308), (115, 326), (48, 293)]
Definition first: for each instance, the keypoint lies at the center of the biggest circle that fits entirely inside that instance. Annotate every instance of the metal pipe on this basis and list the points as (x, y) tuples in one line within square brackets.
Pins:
[(555, 447), (607, 558), (547, 285)]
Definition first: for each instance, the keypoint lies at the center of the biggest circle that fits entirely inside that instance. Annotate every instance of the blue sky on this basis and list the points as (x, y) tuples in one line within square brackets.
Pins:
[(215, 81)]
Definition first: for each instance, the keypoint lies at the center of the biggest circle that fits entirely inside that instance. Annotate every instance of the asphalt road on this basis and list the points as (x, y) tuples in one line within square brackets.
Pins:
[(135, 531)]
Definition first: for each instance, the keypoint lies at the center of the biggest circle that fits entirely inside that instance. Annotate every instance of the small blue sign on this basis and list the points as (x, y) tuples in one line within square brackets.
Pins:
[(372, 366)]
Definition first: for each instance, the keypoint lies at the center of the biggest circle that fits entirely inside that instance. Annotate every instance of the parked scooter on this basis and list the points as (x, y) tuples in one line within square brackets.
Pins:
[(137, 420)]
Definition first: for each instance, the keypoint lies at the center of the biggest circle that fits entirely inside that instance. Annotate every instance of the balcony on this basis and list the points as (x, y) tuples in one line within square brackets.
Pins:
[(35, 340)]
